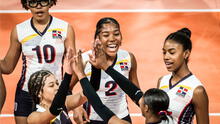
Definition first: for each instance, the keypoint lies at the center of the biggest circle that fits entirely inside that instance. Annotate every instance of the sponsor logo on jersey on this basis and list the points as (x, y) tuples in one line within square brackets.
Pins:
[(182, 91), (124, 66), (56, 34)]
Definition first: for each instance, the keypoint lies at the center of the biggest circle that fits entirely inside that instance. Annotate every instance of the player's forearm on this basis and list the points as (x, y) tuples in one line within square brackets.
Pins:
[(2, 92), (95, 101), (6, 67), (126, 85), (60, 97)]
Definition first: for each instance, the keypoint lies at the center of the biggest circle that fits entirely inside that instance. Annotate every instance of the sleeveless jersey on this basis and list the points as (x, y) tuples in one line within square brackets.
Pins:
[(168, 121), (181, 95), (62, 118), (41, 50), (109, 92)]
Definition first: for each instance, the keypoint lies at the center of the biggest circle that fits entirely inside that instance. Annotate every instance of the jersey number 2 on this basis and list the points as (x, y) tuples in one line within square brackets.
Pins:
[(46, 49), (111, 92)]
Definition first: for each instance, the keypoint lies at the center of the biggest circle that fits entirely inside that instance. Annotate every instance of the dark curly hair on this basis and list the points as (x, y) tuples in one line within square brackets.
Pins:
[(36, 84), (24, 3), (105, 20)]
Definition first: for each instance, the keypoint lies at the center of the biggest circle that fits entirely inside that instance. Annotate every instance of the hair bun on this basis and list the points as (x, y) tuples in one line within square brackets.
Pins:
[(185, 31)]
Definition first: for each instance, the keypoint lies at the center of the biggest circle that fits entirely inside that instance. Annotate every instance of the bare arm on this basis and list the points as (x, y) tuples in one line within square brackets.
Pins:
[(40, 117), (116, 120), (201, 103), (70, 42), (7, 65), (2, 92), (158, 82), (133, 72), (75, 100), (70, 39)]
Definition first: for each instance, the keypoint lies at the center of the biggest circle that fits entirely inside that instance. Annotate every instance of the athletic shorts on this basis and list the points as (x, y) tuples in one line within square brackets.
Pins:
[(23, 105)]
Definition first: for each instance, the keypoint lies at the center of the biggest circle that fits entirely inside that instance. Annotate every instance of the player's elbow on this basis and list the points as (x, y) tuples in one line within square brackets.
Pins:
[(6, 68)]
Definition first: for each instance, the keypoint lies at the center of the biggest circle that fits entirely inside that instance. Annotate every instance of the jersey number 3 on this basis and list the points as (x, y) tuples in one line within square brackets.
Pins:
[(46, 50)]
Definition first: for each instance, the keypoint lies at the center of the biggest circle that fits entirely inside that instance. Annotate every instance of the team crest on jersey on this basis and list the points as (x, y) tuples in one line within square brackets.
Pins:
[(124, 66), (56, 34), (182, 91)]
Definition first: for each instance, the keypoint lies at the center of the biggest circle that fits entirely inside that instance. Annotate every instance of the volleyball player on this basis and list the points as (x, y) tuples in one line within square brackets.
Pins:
[(42, 41), (154, 103), (187, 94), (109, 34)]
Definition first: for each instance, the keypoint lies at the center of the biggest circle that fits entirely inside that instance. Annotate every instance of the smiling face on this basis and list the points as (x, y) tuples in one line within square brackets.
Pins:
[(49, 89), (39, 8), (110, 37), (174, 56)]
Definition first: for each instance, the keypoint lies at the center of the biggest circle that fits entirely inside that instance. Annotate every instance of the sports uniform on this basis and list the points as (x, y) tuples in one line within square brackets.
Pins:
[(181, 95), (40, 50), (107, 89), (62, 118)]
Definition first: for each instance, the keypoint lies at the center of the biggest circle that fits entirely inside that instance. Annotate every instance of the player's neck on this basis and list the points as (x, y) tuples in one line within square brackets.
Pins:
[(111, 59), (179, 74), (45, 105), (40, 25), (44, 21), (151, 119)]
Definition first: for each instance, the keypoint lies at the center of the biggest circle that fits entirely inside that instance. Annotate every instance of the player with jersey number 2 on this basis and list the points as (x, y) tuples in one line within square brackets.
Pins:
[(109, 34)]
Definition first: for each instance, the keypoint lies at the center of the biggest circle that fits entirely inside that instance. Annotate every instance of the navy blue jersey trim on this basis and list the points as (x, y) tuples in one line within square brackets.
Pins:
[(170, 84), (23, 73), (187, 114), (45, 30)]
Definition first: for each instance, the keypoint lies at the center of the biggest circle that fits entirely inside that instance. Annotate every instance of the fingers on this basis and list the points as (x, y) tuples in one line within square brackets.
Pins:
[(80, 116), (78, 57), (69, 53), (97, 46), (92, 57), (78, 119), (85, 117)]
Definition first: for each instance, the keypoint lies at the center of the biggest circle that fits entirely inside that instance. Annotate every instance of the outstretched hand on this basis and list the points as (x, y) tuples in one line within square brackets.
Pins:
[(98, 57), (68, 61), (77, 65)]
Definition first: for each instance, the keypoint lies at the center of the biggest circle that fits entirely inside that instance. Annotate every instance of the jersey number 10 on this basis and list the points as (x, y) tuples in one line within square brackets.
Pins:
[(46, 50)]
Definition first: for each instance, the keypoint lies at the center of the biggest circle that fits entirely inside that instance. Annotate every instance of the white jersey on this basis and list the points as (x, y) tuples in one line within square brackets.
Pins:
[(168, 121), (62, 118), (181, 95), (41, 50), (109, 92)]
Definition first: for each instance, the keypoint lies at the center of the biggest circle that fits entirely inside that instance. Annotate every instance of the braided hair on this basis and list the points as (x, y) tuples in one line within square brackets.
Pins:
[(36, 84)]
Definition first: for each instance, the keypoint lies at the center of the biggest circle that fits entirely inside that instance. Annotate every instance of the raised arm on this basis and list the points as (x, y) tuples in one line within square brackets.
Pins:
[(59, 99), (105, 113), (56, 106), (99, 61)]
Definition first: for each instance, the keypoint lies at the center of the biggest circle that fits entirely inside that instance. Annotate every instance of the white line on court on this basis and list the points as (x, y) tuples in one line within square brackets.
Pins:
[(132, 114), (115, 10)]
